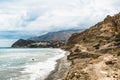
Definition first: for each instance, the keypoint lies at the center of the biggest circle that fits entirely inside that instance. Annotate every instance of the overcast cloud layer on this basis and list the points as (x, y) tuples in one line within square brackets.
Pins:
[(26, 18), (48, 15)]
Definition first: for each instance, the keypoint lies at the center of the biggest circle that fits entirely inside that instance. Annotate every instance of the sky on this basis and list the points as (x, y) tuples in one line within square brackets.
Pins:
[(26, 18)]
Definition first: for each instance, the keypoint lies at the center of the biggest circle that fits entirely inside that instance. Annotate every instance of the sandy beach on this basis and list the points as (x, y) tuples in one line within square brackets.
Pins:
[(61, 69)]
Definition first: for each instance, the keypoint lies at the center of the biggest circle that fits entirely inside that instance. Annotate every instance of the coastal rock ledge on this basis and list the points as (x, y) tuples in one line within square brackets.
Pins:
[(95, 52)]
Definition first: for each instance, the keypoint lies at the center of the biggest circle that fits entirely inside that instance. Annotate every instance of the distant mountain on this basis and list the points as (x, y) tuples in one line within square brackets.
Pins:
[(51, 39), (57, 36)]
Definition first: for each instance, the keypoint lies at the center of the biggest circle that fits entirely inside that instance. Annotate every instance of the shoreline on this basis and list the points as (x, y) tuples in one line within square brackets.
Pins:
[(61, 69)]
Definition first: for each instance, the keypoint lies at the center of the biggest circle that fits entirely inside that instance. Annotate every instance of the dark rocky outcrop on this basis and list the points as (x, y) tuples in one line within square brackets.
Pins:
[(94, 53), (22, 43), (37, 44)]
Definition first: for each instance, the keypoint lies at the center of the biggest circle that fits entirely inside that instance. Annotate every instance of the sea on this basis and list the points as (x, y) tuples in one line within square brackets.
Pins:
[(28, 63)]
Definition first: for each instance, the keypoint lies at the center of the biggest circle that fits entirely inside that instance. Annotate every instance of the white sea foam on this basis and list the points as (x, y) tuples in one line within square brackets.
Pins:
[(28, 64), (40, 70)]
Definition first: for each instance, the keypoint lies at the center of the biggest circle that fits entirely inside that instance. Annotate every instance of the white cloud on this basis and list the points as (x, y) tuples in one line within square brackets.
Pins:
[(48, 15)]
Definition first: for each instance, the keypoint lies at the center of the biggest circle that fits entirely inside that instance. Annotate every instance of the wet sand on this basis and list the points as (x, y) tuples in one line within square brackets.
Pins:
[(61, 69)]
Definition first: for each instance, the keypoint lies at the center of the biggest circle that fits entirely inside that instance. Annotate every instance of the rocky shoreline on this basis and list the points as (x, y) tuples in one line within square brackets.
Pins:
[(94, 53), (61, 69)]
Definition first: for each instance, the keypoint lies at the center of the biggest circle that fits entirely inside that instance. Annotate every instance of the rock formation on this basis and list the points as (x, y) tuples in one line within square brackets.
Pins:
[(95, 53), (22, 43)]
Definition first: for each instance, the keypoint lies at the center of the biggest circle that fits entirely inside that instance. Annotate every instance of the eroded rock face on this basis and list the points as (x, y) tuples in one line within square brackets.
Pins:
[(99, 33), (95, 53)]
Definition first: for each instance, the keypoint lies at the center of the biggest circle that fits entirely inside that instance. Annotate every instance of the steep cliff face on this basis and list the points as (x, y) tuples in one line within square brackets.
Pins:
[(103, 30), (95, 53)]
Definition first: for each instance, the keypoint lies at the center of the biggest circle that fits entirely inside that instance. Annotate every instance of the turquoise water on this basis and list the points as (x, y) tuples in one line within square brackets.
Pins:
[(28, 64)]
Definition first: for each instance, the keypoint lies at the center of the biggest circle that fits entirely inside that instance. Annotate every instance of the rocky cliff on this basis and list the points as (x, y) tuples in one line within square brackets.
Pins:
[(22, 43), (95, 53)]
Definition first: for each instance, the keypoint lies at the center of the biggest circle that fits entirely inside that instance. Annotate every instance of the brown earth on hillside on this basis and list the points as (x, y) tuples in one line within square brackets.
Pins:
[(95, 53)]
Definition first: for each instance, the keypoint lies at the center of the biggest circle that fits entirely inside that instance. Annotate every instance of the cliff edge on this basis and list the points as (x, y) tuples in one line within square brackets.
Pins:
[(95, 53)]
